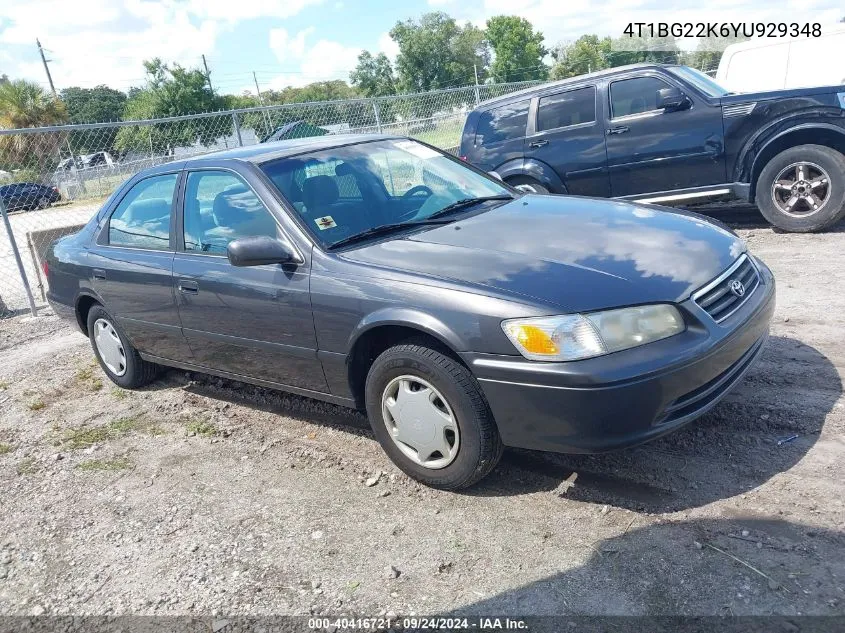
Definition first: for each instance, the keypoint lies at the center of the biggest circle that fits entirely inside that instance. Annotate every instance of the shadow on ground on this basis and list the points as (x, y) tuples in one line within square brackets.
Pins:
[(729, 451), (695, 568)]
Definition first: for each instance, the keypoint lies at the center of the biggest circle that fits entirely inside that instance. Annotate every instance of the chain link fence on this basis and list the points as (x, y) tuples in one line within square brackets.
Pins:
[(53, 179)]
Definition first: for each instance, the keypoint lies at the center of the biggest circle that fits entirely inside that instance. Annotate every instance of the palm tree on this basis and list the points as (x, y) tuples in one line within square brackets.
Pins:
[(25, 104)]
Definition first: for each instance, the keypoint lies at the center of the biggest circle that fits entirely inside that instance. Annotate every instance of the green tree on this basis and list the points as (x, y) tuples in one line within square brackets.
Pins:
[(373, 76), (172, 91), (518, 50), (586, 54), (26, 104), (435, 52), (93, 105), (708, 53)]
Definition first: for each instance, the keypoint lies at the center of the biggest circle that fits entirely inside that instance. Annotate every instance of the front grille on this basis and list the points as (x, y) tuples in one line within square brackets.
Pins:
[(723, 296)]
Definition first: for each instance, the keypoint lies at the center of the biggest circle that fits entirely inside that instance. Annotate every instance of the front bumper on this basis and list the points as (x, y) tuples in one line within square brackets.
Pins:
[(626, 398)]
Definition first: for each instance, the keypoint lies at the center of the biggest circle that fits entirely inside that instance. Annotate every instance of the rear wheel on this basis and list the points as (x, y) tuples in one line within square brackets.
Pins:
[(116, 355), (802, 189), (43, 202), (529, 185), (431, 418)]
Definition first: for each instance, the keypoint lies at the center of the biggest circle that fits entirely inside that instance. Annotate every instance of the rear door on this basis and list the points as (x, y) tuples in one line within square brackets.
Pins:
[(132, 263), (654, 150), (255, 321), (499, 134), (566, 133)]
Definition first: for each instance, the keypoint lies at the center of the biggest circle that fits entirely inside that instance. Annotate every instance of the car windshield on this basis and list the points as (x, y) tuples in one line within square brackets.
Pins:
[(378, 186), (698, 79)]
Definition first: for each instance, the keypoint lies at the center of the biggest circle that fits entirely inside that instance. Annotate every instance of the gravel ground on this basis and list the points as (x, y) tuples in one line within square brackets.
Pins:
[(207, 497)]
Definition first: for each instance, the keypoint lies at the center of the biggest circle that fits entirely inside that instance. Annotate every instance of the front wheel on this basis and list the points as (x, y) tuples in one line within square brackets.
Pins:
[(431, 418), (116, 355), (802, 189), (528, 185)]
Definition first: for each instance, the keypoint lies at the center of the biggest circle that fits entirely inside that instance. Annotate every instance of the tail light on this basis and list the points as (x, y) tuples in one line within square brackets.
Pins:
[(463, 158), (45, 268)]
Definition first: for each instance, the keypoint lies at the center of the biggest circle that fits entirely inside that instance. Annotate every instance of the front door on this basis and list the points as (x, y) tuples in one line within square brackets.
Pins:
[(652, 150), (255, 321), (568, 136)]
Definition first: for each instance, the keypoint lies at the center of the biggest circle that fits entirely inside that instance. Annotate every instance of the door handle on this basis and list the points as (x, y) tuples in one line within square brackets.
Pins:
[(188, 287), (618, 130), (538, 143), (99, 273)]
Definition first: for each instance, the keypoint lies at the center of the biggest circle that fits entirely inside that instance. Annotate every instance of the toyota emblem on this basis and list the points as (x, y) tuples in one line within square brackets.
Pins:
[(737, 288)]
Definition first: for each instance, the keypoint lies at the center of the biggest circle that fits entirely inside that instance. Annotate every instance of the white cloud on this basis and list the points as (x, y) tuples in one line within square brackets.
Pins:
[(387, 46), (324, 60), (94, 42)]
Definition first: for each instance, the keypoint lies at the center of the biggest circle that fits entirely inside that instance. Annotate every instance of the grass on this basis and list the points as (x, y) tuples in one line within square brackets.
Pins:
[(35, 405), (120, 463), (87, 380), (5, 449), (4, 385), (28, 466), (86, 436), (118, 393), (201, 427)]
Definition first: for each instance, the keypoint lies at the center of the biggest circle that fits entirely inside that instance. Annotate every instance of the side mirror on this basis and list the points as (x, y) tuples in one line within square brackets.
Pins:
[(260, 250), (672, 99)]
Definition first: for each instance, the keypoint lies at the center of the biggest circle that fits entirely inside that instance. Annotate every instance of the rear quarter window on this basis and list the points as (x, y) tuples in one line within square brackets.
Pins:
[(502, 123)]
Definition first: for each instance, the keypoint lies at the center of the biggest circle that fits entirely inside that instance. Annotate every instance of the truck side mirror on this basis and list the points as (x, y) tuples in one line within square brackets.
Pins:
[(672, 100)]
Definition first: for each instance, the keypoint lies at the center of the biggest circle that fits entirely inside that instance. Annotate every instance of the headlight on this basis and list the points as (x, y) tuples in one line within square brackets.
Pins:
[(577, 336)]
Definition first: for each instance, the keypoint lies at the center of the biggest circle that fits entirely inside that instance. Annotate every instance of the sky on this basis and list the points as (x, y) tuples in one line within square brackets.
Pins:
[(295, 42)]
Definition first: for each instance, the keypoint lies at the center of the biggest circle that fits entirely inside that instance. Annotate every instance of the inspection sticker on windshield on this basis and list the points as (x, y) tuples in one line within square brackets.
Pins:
[(420, 151), (326, 222)]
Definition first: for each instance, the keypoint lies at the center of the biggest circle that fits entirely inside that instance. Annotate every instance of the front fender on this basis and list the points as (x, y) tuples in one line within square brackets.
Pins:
[(411, 318), (532, 168)]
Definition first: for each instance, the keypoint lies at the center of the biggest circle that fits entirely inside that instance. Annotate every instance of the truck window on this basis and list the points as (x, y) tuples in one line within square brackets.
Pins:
[(566, 108), (503, 123), (635, 96)]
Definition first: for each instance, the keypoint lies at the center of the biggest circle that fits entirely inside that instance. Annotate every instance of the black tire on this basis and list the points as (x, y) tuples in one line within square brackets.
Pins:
[(480, 446), (833, 209), (138, 372), (528, 184)]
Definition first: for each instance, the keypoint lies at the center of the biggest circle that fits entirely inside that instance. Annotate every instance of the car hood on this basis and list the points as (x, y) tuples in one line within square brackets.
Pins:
[(576, 254), (786, 93)]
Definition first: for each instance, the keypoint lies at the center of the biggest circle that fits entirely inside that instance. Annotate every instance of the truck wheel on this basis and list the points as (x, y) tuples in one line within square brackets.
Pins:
[(116, 355), (802, 189), (430, 417), (529, 185)]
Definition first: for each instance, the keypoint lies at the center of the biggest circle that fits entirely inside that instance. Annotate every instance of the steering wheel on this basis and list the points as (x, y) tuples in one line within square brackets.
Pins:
[(418, 189)]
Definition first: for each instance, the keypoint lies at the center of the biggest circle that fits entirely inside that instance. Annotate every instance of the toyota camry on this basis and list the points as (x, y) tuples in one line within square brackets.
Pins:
[(379, 273)]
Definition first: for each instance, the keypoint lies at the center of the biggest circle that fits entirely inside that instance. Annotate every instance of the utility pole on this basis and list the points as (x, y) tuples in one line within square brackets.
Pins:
[(46, 67), (207, 74), (477, 96), (261, 101)]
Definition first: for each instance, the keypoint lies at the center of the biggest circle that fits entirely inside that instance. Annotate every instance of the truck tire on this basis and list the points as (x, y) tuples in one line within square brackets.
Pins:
[(529, 185), (802, 189)]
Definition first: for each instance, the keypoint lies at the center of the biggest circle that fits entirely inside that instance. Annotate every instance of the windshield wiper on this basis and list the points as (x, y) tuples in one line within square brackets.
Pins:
[(459, 205), (380, 230)]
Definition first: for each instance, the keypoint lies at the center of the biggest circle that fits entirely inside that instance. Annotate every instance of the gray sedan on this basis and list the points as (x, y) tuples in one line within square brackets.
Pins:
[(461, 314)]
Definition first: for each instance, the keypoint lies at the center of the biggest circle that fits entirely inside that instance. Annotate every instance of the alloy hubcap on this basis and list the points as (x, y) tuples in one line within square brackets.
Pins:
[(109, 347), (420, 422), (801, 189)]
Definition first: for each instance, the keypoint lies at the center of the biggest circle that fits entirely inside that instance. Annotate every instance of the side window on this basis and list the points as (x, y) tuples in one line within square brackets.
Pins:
[(502, 124), (567, 108), (634, 96), (219, 208), (142, 219)]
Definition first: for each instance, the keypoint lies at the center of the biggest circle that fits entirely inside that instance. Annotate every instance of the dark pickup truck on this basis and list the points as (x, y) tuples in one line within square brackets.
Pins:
[(669, 134)]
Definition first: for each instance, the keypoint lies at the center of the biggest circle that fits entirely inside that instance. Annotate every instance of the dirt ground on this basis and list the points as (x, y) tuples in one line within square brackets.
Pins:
[(207, 497)]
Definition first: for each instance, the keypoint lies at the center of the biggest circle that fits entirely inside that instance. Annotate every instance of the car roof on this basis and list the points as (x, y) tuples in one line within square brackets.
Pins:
[(264, 152), (527, 92)]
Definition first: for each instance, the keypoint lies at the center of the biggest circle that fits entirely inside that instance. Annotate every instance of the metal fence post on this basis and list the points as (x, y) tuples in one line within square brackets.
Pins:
[(237, 126), (17, 255), (376, 113)]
